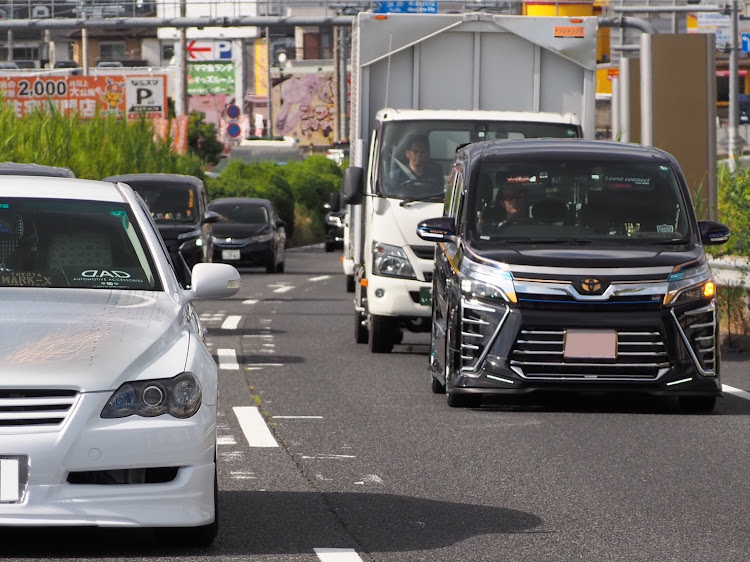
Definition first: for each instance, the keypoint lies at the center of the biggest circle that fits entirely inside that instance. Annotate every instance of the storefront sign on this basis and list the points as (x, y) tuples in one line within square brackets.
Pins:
[(210, 78)]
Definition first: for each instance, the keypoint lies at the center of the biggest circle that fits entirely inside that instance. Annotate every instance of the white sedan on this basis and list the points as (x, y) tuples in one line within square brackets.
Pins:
[(108, 395)]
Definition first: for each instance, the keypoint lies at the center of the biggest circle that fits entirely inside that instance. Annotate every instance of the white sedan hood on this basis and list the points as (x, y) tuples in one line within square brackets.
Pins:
[(89, 340)]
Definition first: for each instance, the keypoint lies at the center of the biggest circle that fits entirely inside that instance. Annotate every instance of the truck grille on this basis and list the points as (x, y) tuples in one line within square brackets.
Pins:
[(35, 407), (424, 252), (538, 354)]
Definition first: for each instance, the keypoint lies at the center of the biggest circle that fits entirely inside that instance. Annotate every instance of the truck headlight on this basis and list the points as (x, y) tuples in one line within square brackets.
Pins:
[(391, 261), (491, 280), (690, 282), (179, 396)]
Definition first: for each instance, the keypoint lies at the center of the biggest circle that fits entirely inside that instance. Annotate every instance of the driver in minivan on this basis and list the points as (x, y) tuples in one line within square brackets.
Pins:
[(419, 169)]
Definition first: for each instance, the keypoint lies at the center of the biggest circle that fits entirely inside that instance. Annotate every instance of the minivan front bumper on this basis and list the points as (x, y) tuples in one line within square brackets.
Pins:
[(505, 349)]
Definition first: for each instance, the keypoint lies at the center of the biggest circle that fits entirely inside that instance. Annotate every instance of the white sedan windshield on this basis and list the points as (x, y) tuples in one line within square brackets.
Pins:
[(68, 243)]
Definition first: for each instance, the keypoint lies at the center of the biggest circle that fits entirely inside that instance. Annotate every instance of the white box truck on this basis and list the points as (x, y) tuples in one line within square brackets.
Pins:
[(429, 83)]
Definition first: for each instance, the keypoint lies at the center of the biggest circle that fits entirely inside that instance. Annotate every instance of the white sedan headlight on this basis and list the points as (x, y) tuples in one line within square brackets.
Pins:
[(179, 397)]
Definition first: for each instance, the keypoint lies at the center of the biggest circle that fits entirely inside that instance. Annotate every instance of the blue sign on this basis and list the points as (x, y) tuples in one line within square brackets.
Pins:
[(407, 7), (223, 50), (232, 111), (234, 130), (746, 42)]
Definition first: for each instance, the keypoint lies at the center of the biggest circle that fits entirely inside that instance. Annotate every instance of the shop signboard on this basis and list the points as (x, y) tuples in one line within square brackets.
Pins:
[(88, 96), (210, 78)]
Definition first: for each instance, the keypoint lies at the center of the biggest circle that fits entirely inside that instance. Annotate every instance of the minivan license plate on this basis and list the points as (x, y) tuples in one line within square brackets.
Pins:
[(230, 254), (590, 344), (9, 480)]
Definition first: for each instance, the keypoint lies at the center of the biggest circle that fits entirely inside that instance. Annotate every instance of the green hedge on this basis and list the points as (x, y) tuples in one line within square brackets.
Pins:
[(734, 211)]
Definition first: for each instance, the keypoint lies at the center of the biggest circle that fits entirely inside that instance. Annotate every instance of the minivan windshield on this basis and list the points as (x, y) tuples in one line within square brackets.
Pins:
[(552, 200), (416, 156), (245, 213), (169, 202)]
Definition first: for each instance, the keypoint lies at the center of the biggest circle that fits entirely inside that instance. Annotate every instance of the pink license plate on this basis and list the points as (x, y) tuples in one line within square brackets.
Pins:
[(590, 344)]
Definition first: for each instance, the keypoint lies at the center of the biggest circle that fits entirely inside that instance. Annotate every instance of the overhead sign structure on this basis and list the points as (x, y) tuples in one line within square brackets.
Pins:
[(87, 96), (200, 50)]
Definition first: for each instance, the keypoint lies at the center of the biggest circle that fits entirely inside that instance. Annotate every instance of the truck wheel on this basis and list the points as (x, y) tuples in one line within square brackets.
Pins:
[(360, 328), (381, 334), (330, 246), (350, 283)]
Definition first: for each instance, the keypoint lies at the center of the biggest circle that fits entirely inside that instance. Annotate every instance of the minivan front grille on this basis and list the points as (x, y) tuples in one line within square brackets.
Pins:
[(479, 325), (538, 354), (19, 407), (698, 331)]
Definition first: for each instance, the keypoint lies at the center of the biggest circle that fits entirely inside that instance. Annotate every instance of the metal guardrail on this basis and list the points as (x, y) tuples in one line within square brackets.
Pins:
[(732, 271)]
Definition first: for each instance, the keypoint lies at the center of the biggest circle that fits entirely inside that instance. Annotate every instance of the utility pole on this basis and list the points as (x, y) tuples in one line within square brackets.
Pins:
[(734, 113), (270, 83), (342, 86), (181, 105)]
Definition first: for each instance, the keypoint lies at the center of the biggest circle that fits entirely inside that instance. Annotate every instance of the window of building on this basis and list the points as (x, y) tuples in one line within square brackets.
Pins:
[(112, 50)]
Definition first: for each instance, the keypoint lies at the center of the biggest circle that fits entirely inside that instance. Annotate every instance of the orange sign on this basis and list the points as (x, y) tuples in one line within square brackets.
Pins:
[(569, 31), (87, 95), (176, 129), (613, 73)]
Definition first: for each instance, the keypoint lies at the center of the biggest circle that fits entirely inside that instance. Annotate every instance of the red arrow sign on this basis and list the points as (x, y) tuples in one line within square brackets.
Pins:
[(192, 49)]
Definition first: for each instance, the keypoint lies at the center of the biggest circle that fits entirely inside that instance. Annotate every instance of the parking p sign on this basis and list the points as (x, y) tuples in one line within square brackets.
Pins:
[(146, 95)]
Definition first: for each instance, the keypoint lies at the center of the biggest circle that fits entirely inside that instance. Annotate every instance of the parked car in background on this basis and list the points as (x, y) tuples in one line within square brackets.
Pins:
[(248, 233), (179, 205), (572, 265), (109, 392), (334, 223), (338, 152), (28, 169)]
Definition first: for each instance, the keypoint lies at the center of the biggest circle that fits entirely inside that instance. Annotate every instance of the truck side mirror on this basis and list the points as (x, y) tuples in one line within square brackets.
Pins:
[(713, 233), (437, 230), (353, 188)]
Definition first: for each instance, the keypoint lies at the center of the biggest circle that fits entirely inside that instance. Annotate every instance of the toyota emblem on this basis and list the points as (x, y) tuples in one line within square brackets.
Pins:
[(591, 285)]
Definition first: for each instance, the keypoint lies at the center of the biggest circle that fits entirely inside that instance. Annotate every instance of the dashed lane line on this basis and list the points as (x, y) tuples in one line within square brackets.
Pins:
[(284, 289), (254, 427), (231, 322), (735, 391), (228, 359), (319, 278), (337, 555), (250, 301)]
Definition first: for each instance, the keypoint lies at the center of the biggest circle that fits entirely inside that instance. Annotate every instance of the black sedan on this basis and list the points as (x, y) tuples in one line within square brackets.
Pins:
[(249, 233)]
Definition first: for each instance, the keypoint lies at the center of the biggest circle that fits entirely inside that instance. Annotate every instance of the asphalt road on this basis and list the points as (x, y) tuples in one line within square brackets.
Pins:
[(329, 453)]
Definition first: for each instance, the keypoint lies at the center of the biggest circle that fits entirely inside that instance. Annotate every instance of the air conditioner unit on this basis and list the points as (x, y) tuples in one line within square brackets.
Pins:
[(40, 12)]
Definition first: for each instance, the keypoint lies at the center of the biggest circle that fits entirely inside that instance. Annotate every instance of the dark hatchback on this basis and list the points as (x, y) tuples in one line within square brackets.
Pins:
[(249, 233), (179, 206), (29, 169), (572, 265)]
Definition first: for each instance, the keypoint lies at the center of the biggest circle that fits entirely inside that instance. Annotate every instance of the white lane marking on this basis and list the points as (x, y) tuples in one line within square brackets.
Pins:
[(242, 475), (226, 440), (252, 365), (320, 278), (297, 417), (735, 391), (337, 555), (231, 323), (329, 457), (284, 289), (250, 301), (228, 359), (254, 427)]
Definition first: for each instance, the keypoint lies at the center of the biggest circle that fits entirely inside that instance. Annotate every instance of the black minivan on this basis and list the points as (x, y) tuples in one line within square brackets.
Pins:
[(179, 206), (572, 265)]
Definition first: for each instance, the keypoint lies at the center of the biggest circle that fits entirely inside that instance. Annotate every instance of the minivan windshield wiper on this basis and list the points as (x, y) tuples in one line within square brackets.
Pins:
[(669, 242), (436, 197)]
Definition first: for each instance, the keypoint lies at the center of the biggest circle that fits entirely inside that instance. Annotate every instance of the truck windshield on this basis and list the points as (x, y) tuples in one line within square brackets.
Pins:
[(416, 156), (583, 201)]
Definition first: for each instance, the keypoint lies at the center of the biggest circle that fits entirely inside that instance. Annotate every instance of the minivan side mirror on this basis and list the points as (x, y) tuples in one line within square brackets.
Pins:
[(353, 188), (713, 233), (437, 230), (210, 216)]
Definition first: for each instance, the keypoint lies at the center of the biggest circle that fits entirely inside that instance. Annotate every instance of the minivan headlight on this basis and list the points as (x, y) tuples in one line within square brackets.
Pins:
[(690, 282), (391, 261), (179, 397), (491, 280)]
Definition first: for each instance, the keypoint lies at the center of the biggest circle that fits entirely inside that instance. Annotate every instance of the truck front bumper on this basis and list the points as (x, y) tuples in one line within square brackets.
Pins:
[(392, 296)]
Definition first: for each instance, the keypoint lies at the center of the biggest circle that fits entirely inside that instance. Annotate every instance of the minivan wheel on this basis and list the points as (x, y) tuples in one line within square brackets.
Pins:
[(381, 334), (698, 404), (360, 328)]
